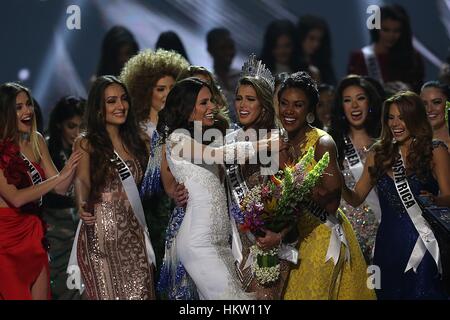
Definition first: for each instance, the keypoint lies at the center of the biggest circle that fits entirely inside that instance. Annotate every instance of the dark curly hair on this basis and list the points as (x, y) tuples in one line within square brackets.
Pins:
[(419, 159), (302, 81), (339, 122), (180, 104), (100, 145)]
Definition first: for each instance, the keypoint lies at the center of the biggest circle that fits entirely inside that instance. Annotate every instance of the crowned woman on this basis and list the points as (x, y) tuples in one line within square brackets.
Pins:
[(256, 114)]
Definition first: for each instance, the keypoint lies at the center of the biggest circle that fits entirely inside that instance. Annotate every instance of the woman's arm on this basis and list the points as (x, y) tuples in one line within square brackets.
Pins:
[(328, 191), (49, 167), (83, 181), (189, 149), (362, 188), (20, 197), (174, 190)]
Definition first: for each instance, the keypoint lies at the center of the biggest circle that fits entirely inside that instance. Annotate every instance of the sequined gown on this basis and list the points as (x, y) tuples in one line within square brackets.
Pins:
[(111, 253), (202, 240), (362, 218), (395, 241), (314, 278)]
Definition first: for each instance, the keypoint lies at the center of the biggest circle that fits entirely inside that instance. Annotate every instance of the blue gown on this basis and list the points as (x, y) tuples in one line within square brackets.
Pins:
[(395, 241)]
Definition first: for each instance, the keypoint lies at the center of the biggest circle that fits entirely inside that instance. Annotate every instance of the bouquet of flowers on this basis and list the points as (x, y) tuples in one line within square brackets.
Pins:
[(276, 204)]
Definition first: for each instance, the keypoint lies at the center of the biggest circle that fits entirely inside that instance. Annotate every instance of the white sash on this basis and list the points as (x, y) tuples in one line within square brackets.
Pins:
[(337, 235), (34, 174), (129, 185), (373, 68), (237, 189), (425, 240), (356, 168)]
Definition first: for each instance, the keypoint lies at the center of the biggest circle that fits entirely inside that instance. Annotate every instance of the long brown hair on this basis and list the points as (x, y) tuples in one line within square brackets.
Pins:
[(419, 159), (101, 148), (264, 94), (8, 116)]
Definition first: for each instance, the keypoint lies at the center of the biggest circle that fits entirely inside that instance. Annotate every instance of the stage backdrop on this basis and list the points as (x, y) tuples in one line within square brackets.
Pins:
[(38, 48)]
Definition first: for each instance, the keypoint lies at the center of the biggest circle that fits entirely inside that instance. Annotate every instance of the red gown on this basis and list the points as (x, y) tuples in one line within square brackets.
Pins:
[(23, 252)]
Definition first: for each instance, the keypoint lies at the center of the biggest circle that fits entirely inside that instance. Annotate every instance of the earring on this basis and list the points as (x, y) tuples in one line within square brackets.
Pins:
[(394, 141), (310, 118)]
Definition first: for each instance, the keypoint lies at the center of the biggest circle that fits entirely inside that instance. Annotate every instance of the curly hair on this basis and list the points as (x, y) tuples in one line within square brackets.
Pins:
[(100, 148), (141, 73), (339, 122), (419, 159), (302, 80)]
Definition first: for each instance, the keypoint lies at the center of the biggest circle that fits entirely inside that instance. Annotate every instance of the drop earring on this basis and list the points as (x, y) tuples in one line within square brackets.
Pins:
[(310, 118)]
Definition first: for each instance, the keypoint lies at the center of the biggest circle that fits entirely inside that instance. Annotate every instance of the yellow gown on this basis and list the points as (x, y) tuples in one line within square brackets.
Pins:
[(313, 278)]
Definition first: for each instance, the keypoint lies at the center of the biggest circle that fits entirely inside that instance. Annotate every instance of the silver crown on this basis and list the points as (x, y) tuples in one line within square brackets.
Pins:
[(255, 68)]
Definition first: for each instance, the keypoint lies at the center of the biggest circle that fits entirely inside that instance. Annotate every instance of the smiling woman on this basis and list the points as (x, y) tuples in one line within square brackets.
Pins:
[(24, 165), (113, 249), (435, 95), (419, 165)]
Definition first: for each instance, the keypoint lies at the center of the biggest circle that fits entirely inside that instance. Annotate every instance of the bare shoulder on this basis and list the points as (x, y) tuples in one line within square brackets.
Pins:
[(440, 153), (326, 144)]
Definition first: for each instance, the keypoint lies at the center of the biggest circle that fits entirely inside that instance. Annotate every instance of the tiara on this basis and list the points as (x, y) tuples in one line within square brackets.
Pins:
[(255, 68)]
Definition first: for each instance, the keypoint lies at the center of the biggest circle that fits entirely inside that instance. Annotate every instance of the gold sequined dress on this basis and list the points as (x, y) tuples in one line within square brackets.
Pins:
[(314, 278), (111, 253)]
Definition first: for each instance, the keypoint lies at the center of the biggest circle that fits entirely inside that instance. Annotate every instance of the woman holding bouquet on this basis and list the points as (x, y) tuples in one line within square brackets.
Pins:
[(327, 244), (405, 165), (26, 174), (255, 111)]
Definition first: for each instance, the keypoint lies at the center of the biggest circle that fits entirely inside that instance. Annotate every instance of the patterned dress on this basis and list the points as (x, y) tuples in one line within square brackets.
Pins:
[(315, 279), (362, 218), (111, 253)]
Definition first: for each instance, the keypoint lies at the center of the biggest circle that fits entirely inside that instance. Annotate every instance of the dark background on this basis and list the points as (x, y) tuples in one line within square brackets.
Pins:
[(34, 36)]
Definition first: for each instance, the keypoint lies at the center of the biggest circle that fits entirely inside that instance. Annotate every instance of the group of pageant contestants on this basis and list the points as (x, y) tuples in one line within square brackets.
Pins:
[(98, 164)]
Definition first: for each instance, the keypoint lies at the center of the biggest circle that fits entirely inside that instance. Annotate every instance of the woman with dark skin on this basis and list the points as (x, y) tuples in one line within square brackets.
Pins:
[(319, 274)]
